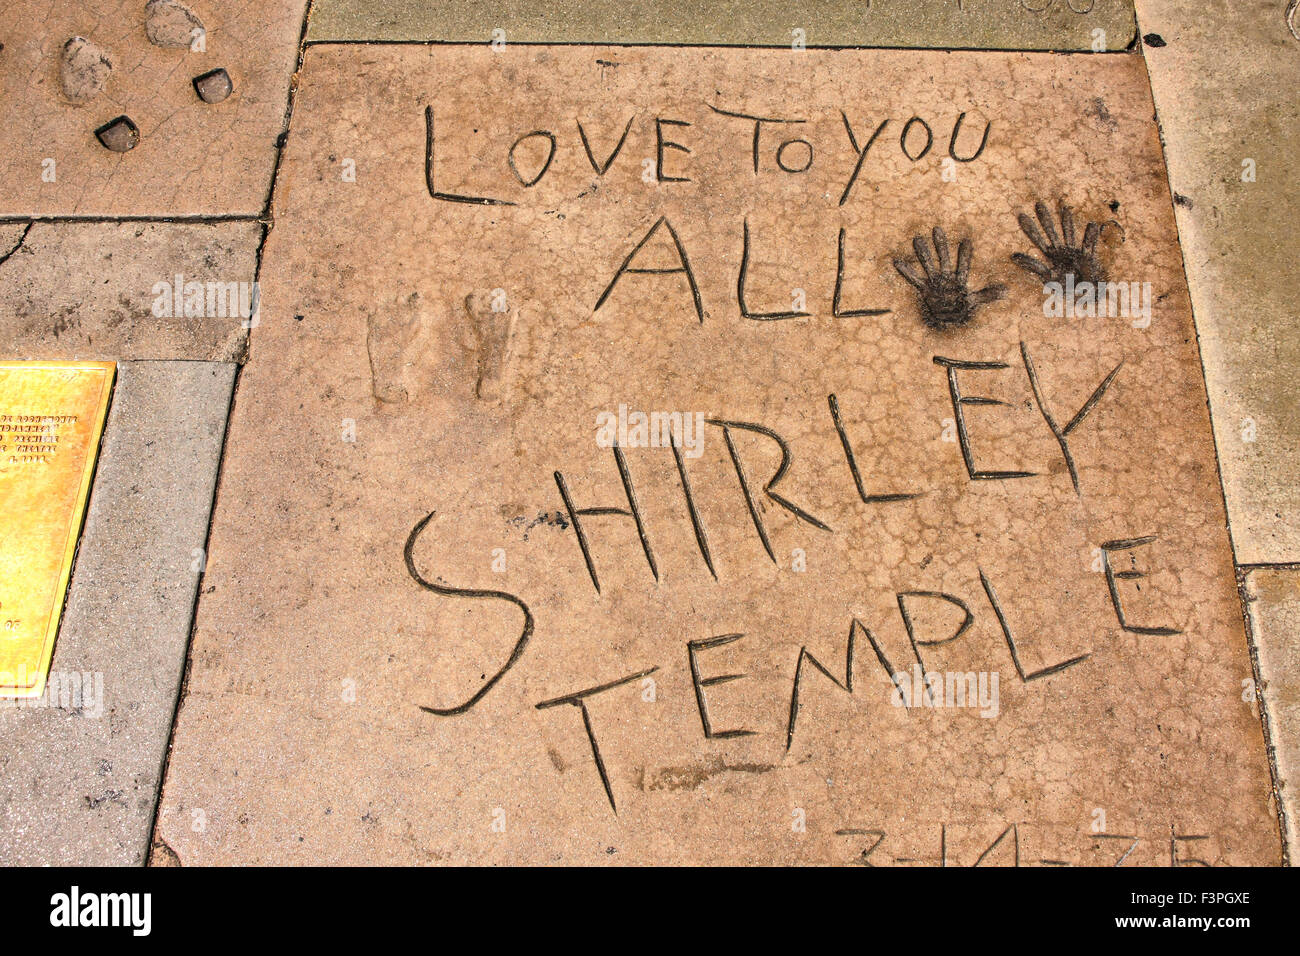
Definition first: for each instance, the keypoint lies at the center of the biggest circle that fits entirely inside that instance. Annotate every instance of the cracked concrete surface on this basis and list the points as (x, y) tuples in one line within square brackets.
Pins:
[(320, 652), (84, 290), (107, 290), (194, 158)]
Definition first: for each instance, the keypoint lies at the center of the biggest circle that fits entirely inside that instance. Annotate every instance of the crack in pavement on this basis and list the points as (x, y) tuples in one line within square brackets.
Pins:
[(19, 244)]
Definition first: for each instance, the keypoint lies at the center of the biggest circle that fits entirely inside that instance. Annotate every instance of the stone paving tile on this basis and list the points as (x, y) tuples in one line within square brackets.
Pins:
[(109, 290), (1224, 82), (192, 158), (79, 771), (970, 24), (430, 358), (1273, 602)]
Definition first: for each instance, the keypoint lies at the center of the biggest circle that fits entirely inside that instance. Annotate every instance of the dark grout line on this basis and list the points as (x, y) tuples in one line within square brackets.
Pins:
[(183, 691), (268, 210), (1270, 748), (1270, 566), (267, 219), (230, 217)]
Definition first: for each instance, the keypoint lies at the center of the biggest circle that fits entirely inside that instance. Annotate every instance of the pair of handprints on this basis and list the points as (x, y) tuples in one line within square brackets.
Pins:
[(946, 301)]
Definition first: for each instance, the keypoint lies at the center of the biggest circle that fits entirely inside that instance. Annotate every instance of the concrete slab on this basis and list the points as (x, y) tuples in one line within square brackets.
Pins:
[(192, 157), (127, 290), (1234, 171), (80, 769), (969, 24), (1273, 603), (445, 620)]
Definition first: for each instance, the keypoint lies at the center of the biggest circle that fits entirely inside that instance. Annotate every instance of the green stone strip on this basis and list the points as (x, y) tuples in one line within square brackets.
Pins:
[(927, 24)]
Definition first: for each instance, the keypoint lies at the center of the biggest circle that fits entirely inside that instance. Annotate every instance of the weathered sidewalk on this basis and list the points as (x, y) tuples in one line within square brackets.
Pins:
[(359, 584)]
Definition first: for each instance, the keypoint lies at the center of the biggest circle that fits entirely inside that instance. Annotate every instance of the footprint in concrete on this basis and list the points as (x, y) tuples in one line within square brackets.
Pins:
[(169, 23), (398, 342), (400, 345), (120, 135), (84, 68), (492, 321), (213, 86)]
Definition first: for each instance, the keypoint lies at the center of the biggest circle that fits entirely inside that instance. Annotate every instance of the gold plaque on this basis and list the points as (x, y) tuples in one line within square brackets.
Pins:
[(51, 417)]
